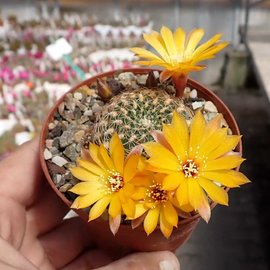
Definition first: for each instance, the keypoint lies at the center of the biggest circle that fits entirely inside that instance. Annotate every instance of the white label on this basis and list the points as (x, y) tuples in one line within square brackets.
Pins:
[(23, 137), (58, 49)]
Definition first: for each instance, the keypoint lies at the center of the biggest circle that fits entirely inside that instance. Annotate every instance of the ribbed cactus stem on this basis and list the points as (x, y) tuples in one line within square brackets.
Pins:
[(134, 114)]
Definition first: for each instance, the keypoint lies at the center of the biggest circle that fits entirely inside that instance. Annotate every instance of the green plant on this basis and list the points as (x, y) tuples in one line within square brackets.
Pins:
[(135, 114)]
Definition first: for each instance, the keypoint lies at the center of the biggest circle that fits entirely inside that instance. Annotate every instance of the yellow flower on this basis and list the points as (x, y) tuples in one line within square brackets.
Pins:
[(156, 205), (177, 53), (106, 181), (197, 160)]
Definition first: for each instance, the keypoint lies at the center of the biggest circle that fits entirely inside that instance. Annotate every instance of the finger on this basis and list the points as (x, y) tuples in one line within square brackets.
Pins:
[(161, 260), (21, 174), (8, 267), (89, 260), (47, 212), (10, 229), (66, 242), (10, 256), (21, 237)]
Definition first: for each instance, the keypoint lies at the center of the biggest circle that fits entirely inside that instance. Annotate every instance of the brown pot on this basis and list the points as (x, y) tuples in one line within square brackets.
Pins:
[(126, 237)]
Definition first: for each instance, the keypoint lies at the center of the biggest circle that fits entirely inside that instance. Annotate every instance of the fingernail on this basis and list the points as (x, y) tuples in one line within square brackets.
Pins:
[(167, 265)]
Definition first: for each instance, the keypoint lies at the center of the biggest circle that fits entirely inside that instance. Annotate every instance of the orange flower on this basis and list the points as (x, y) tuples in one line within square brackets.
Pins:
[(177, 53), (106, 182), (155, 205), (197, 161)]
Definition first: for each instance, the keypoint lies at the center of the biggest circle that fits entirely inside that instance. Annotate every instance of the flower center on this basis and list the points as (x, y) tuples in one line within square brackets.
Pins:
[(116, 181), (190, 169), (157, 194)]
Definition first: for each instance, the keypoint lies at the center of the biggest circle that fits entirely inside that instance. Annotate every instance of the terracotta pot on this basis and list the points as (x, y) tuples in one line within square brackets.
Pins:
[(126, 237)]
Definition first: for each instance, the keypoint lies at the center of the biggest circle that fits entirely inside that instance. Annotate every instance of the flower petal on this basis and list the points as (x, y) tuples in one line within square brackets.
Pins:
[(159, 137), (194, 38), (206, 45), (140, 209), (84, 188), (135, 223), (212, 126), (139, 193), (165, 75), (227, 178), (214, 141), (130, 168), (210, 53), (204, 209), (153, 63), (117, 153), (86, 155), (94, 153), (145, 54), (177, 135), (83, 174), (86, 200), (91, 167), (99, 207), (183, 68), (170, 214), (105, 158), (185, 210), (151, 220), (161, 157), (129, 208), (165, 227), (142, 166), (176, 54), (155, 40), (223, 163), (115, 208), (136, 150), (172, 181), (128, 189), (114, 224), (182, 193), (215, 48), (179, 39), (168, 39), (229, 143), (217, 194), (197, 128), (198, 199), (142, 180), (158, 170)]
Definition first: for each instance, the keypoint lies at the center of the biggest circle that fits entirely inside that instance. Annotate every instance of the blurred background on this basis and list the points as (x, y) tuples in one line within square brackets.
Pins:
[(100, 33)]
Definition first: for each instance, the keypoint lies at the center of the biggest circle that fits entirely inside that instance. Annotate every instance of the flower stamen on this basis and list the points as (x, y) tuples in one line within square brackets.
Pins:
[(115, 181), (190, 169), (157, 194)]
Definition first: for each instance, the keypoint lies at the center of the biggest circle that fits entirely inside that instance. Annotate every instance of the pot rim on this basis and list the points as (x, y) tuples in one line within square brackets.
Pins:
[(190, 83)]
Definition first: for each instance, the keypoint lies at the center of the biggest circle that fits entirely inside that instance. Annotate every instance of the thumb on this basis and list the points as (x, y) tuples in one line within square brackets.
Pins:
[(162, 260)]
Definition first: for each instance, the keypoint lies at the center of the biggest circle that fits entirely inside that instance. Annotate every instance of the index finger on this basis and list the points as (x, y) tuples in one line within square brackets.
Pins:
[(21, 174)]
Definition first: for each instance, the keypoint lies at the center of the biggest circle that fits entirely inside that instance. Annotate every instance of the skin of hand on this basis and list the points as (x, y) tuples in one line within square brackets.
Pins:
[(33, 234)]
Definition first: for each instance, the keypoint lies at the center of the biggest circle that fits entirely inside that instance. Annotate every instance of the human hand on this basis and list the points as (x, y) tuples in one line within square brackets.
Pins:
[(33, 234)]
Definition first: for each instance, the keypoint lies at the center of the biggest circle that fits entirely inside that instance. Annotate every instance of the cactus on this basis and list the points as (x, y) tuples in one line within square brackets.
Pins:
[(134, 114)]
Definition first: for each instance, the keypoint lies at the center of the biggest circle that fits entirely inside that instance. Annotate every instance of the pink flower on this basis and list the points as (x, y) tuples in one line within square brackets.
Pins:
[(11, 108), (27, 93), (14, 94), (57, 77), (65, 76), (24, 75)]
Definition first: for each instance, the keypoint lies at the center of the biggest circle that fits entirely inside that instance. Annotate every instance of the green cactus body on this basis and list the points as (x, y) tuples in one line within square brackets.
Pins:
[(134, 114)]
